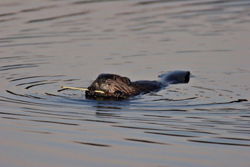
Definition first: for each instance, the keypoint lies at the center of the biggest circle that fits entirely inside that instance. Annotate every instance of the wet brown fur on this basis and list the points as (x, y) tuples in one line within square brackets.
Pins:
[(121, 87)]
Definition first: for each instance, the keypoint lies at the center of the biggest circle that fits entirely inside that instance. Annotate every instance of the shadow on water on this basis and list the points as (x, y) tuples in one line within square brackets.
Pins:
[(49, 44)]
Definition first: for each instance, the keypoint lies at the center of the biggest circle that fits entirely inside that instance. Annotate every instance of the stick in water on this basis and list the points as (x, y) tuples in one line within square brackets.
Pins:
[(67, 87)]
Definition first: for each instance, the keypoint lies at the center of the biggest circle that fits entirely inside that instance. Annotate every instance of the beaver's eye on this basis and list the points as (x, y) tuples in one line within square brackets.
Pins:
[(127, 80)]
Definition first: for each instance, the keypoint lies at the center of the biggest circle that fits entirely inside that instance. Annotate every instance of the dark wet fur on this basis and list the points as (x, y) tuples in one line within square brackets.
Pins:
[(116, 86)]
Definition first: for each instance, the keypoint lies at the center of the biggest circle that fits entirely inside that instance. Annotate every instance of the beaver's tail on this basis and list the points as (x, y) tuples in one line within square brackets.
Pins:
[(175, 77)]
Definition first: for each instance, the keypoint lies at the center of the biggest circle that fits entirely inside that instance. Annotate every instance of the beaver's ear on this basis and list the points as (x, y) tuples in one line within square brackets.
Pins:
[(127, 80)]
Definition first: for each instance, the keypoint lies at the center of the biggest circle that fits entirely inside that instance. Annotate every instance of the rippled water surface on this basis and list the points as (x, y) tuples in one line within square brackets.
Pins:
[(46, 44)]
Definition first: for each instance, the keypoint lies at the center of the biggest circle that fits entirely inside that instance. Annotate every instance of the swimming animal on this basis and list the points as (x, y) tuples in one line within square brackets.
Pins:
[(116, 86)]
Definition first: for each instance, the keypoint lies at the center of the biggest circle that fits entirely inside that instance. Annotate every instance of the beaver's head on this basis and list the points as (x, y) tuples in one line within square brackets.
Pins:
[(113, 85)]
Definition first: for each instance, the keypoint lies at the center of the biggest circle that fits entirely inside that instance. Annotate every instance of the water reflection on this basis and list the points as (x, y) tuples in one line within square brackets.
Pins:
[(45, 45)]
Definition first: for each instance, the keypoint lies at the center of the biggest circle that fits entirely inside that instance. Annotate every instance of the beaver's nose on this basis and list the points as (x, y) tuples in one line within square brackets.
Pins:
[(91, 91)]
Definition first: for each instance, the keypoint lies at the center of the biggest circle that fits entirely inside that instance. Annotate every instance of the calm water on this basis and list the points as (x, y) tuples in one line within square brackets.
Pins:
[(46, 44)]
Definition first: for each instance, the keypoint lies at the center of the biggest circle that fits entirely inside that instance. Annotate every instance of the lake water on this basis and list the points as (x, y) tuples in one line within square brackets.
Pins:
[(46, 44)]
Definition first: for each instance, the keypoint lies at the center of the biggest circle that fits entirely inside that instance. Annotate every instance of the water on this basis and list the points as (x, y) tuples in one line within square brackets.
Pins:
[(48, 44)]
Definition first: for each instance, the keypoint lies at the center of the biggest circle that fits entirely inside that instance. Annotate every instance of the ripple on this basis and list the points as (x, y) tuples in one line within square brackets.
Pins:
[(169, 134), (220, 143), (57, 17), (145, 141), (17, 66), (38, 8), (48, 45), (92, 144)]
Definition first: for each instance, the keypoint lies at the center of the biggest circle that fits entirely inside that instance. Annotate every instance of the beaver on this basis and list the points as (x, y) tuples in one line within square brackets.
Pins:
[(116, 86)]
